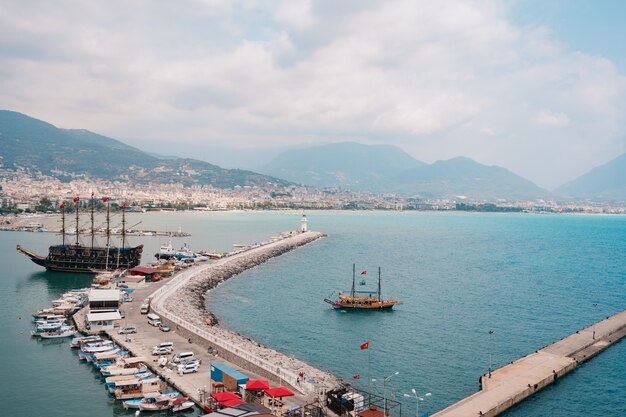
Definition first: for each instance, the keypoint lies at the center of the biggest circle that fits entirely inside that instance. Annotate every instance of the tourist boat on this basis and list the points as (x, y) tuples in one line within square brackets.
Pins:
[(55, 335), (76, 257), (110, 381), (362, 300), (125, 366), (136, 388)]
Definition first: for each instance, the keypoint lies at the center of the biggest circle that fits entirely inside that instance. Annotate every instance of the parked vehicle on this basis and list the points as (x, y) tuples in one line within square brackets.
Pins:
[(164, 327), (128, 330), (188, 368), (154, 320), (161, 350), (183, 357)]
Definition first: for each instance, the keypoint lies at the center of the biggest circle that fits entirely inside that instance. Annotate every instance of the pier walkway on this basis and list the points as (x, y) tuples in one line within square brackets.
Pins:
[(196, 386), (513, 383)]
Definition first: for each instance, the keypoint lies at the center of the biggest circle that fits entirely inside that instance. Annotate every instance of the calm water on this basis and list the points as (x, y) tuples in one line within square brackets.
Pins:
[(533, 279)]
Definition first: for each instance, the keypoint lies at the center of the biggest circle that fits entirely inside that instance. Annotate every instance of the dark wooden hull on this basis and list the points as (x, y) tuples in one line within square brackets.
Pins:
[(82, 259)]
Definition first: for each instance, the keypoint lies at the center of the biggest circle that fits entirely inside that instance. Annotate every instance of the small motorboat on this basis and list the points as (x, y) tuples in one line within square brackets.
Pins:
[(55, 335), (181, 404)]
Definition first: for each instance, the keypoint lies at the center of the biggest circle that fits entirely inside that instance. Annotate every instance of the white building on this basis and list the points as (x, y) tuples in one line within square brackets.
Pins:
[(103, 320)]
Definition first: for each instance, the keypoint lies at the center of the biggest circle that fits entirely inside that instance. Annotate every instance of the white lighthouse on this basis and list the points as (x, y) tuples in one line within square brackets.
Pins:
[(304, 224)]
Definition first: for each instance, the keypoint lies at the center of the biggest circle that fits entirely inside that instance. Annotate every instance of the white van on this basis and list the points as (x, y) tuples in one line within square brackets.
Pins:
[(154, 320), (166, 345), (182, 357)]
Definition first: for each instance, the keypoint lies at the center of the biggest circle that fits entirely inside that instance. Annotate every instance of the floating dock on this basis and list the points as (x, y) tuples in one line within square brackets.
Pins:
[(519, 380)]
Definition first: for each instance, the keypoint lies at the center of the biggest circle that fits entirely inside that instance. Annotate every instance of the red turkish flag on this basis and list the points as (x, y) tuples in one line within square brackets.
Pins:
[(357, 377), (123, 206), (105, 199), (76, 199), (62, 206), (364, 272), (365, 345)]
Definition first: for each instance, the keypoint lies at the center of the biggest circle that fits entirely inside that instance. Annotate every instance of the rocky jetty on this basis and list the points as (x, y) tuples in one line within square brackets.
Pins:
[(188, 302)]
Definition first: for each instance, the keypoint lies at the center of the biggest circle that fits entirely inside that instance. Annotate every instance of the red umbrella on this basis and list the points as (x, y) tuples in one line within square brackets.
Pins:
[(279, 392), (220, 397), (257, 385)]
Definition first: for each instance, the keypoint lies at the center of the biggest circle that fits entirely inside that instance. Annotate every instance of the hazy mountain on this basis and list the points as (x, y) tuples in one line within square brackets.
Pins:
[(607, 182), (386, 168), (37, 146), (346, 164), (466, 177)]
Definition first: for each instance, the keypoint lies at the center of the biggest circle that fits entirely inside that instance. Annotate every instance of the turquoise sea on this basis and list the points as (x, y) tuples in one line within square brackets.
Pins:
[(532, 279)]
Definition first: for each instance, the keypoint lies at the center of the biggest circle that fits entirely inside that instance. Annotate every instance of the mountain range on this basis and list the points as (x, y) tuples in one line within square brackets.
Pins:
[(386, 168), (34, 145), (37, 146), (605, 182)]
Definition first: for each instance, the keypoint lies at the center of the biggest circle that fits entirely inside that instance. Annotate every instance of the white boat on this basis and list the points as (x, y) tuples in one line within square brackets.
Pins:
[(38, 332), (55, 335), (80, 341), (149, 398), (98, 347)]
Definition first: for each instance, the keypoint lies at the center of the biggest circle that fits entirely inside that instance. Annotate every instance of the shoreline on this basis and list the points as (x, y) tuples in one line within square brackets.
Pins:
[(186, 298)]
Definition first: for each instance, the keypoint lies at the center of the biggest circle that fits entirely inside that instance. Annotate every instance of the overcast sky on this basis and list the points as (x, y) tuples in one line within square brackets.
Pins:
[(537, 87)]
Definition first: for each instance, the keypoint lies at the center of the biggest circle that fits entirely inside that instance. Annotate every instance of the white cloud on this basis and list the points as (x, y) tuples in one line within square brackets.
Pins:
[(549, 118), (438, 79)]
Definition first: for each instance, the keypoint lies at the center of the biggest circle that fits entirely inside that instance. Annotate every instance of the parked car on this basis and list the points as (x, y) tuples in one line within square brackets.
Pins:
[(128, 330), (161, 350), (188, 368), (164, 327), (189, 361)]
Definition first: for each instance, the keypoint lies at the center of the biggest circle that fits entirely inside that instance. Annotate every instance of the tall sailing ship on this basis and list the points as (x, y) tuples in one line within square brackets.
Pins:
[(76, 257), (362, 300)]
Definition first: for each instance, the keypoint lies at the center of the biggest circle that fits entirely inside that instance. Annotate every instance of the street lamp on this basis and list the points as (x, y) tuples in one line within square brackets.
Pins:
[(385, 392), (593, 335), (417, 400), (490, 337)]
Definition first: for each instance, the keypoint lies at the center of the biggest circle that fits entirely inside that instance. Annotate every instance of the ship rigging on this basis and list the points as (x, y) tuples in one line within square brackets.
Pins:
[(88, 259)]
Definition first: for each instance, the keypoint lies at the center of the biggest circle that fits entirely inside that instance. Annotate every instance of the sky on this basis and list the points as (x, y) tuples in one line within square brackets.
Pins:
[(538, 87)]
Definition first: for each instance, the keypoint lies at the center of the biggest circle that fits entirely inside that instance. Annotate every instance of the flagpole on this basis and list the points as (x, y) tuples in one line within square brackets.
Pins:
[(369, 367)]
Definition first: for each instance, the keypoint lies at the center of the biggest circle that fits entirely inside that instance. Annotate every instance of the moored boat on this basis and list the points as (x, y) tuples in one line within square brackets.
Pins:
[(56, 335), (362, 300), (76, 257), (136, 388)]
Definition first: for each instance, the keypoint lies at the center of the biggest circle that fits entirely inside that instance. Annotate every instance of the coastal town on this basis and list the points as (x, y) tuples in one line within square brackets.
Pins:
[(21, 192)]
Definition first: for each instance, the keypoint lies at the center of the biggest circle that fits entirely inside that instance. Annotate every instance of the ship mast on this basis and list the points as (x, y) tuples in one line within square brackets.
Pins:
[(93, 232), (379, 298), (62, 207), (108, 232), (76, 201), (353, 275), (123, 207)]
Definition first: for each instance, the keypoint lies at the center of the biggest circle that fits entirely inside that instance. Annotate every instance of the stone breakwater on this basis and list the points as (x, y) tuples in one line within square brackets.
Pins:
[(188, 304)]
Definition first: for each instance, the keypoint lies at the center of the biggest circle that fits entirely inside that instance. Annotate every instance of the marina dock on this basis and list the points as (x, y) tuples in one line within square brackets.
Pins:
[(519, 380), (206, 342)]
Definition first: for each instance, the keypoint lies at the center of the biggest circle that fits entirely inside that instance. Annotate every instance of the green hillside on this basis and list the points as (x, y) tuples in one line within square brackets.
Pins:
[(36, 146)]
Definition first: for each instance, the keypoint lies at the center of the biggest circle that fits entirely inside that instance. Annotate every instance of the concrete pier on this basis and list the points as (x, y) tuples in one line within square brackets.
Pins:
[(513, 383), (179, 302)]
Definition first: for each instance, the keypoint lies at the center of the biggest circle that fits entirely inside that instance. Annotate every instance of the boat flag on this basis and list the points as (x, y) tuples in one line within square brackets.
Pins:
[(62, 206), (365, 345), (364, 272), (357, 377), (76, 199)]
